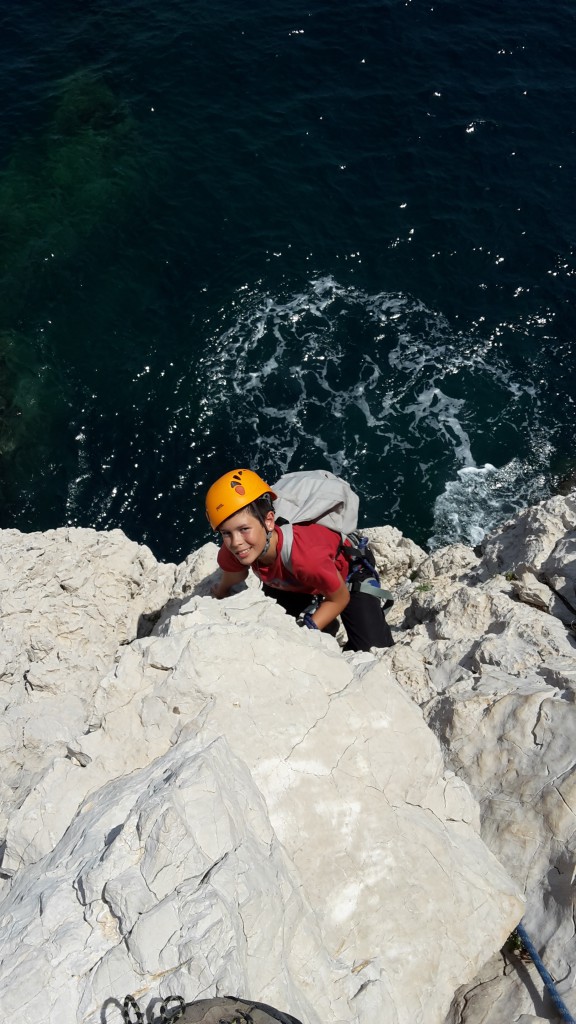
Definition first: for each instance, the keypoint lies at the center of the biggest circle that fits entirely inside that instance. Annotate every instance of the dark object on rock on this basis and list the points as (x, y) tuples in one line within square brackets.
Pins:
[(220, 1010)]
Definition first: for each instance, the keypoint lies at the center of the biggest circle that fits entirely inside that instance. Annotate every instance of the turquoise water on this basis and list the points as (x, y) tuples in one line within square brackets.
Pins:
[(285, 235)]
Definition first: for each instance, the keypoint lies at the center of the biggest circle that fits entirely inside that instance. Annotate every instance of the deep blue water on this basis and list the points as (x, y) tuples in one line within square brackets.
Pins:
[(285, 235)]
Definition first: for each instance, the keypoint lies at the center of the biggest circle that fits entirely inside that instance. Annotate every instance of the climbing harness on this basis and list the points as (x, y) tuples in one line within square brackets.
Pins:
[(363, 577), (544, 974)]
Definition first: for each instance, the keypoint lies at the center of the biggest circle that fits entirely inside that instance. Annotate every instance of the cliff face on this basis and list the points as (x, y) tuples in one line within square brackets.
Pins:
[(198, 797)]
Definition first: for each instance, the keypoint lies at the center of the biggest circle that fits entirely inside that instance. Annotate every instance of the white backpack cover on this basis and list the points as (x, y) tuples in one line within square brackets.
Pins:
[(313, 496)]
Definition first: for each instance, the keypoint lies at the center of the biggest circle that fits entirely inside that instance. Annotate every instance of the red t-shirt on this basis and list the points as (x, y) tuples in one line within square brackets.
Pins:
[(315, 562)]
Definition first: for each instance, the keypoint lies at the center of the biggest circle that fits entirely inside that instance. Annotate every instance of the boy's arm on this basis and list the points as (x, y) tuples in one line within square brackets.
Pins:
[(227, 580), (332, 605)]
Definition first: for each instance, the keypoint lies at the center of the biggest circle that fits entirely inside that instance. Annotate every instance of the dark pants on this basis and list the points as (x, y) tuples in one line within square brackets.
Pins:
[(363, 618)]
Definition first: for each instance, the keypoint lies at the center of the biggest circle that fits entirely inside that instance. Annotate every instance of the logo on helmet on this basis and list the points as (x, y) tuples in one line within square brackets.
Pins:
[(236, 483)]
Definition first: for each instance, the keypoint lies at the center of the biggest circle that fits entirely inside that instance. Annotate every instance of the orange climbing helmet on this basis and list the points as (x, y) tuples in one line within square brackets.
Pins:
[(233, 492)]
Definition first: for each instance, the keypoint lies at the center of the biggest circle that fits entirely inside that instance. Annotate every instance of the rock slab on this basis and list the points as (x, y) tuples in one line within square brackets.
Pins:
[(231, 804)]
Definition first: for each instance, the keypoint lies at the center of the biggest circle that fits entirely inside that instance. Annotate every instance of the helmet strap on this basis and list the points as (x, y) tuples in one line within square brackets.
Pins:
[(269, 533), (267, 544)]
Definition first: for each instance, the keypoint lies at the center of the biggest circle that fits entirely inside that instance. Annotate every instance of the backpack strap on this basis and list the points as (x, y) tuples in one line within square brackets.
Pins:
[(373, 589), (363, 576), (287, 541), (354, 552)]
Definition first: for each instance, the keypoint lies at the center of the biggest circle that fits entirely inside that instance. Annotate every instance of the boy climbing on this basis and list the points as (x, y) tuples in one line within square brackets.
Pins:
[(324, 576)]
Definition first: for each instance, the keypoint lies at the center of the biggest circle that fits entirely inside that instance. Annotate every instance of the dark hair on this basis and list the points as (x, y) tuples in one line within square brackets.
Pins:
[(258, 508), (261, 507)]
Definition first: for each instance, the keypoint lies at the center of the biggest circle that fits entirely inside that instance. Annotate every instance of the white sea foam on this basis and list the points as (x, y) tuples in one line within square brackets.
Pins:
[(481, 498), (382, 389), (376, 387)]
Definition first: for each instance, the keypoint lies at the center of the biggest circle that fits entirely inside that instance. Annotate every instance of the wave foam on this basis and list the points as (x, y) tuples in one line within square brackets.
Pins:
[(380, 389), (480, 499)]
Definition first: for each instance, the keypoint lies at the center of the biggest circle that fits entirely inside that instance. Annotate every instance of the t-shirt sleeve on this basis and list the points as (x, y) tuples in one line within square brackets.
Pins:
[(227, 562), (313, 559)]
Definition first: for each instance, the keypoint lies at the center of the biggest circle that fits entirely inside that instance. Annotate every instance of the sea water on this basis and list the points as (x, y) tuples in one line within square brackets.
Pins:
[(285, 235)]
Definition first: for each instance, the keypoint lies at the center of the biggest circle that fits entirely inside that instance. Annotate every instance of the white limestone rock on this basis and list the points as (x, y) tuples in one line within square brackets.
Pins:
[(195, 577), (418, 599), (455, 562), (529, 540), (537, 551), (396, 556), (559, 571), (411, 670), (331, 744), (356, 793), (494, 667), (68, 599), (197, 573), (168, 880), (541, 543), (528, 589), (506, 983)]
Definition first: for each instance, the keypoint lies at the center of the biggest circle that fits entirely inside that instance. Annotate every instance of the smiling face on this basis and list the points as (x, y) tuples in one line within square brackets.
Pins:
[(245, 536)]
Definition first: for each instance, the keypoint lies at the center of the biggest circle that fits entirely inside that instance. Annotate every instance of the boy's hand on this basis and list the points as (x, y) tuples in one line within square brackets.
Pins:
[(332, 605), (224, 585)]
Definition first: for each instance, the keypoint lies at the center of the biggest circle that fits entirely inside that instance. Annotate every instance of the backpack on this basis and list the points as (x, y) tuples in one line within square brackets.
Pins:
[(220, 1010), (318, 496), (313, 496)]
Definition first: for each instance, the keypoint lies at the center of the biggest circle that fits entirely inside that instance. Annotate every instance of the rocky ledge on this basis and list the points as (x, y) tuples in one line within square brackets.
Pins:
[(200, 798)]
